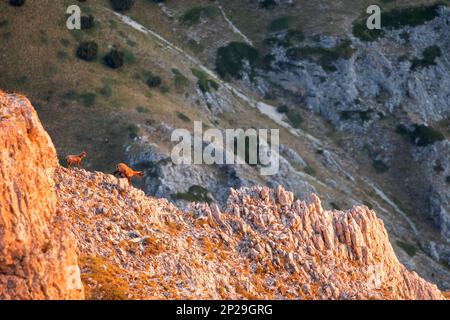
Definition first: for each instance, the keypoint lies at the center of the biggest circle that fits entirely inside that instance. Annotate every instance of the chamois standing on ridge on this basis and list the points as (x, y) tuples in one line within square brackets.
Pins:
[(126, 172), (75, 159)]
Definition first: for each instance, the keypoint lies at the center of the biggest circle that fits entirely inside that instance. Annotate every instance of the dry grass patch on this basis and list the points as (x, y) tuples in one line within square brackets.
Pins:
[(102, 280)]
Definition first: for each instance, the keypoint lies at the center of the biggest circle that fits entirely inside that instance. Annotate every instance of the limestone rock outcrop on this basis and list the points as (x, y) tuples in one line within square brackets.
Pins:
[(37, 254)]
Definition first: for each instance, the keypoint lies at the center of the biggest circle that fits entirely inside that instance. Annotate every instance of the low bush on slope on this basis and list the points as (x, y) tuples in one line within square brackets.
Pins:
[(193, 15), (230, 59), (396, 19), (430, 54), (122, 5)]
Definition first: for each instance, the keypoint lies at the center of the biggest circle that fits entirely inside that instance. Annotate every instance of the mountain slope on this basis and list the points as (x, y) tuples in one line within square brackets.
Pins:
[(343, 149), (264, 244)]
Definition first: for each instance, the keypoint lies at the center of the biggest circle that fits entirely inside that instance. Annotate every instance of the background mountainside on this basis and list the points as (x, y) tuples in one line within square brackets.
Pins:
[(361, 121)]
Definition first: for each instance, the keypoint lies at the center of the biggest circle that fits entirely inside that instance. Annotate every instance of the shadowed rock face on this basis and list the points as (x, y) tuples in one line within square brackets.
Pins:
[(37, 256)]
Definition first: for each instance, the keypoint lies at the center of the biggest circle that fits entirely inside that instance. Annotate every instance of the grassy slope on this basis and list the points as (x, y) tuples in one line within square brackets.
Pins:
[(58, 83), (44, 67), (52, 73)]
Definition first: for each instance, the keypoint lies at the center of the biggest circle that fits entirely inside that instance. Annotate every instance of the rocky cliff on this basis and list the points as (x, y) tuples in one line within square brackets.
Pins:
[(37, 254), (264, 244)]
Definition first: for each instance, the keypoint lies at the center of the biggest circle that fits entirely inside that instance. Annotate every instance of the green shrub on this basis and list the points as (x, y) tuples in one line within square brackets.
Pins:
[(396, 19), (133, 131), (361, 31), (121, 5), (87, 51), (267, 4), (402, 129), (294, 117), (195, 46), (323, 56), (154, 81), (412, 16), (309, 171), (405, 36), (183, 117), (164, 89), (431, 53), (114, 59), (335, 206), (70, 95), (294, 36), (62, 55), (87, 22), (409, 248), (17, 3), (7, 35), (65, 42), (194, 194), (141, 109), (88, 99), (106, 90), (21, 80), (380, 166), (43, 37), (429, 58), (363, 115), (229, 61), (149, 95), (420, 135), (203, 82), (180, 81), (344, 50), (132, 43), (129, 57), (282, 109), (266, 61), (424, 135), (193, 15), (290, 38), (280, 24), (368, 204)]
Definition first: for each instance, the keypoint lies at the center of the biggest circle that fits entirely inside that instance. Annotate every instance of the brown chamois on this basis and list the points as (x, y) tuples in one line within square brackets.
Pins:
[(126, 172), (75, 159)]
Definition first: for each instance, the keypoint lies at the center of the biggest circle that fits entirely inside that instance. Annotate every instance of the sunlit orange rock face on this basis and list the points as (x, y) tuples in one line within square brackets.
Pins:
[(37, 255)]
